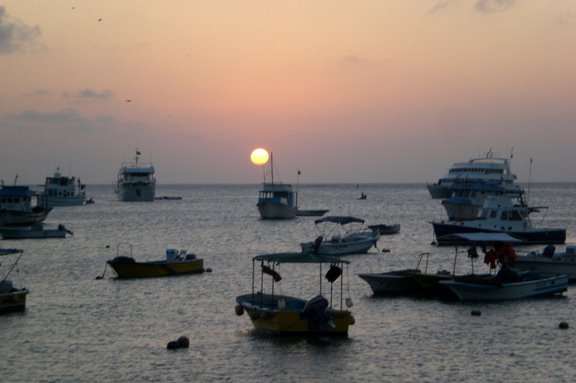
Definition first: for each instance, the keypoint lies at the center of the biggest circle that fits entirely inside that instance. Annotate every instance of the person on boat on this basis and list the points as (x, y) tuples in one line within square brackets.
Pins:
[(549, 251), (502, 253)]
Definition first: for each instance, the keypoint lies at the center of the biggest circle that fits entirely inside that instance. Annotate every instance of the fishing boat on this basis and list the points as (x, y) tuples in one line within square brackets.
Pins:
[(177, 262), (19, 206), (283, 314), (481, 169), (550, 261), (385, 229), (37, 231), (11, 298), (500, 214), (508, 284), (62, 191), (341, 235), (311, 212), (398, 282), (276, 200), (136, 181)]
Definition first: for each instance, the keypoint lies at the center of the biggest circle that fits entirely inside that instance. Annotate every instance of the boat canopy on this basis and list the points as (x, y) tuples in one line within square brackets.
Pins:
[(298, 258), (342, 220), (481, 237), (10, 251)]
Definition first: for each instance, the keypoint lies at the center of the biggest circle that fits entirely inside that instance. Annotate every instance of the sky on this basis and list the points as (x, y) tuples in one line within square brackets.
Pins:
[(381, 91)]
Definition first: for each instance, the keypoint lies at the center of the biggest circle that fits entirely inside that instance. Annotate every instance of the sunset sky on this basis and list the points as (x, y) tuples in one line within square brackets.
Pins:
[(346, 91)]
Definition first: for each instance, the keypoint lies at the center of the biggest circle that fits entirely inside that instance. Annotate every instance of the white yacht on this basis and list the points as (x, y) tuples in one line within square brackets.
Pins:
[(136, 181), (482, 169), (62, 191)]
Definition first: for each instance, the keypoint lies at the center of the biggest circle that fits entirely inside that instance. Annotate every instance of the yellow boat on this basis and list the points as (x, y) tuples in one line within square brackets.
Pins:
[(282, 314), (177, 262), (11, 298)]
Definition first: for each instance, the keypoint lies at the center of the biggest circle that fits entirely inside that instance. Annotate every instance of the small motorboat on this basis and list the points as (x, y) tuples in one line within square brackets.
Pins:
[(384, 229), (508, 284), (37, 231), (311, 213), (11, 298), (341, 235), (177, 262), (550, 261), (283, 314), (396, 282)]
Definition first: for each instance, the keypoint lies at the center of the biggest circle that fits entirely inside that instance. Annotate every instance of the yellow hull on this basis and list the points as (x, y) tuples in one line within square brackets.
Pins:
[(13, 301), (291, 320), (156, 268)]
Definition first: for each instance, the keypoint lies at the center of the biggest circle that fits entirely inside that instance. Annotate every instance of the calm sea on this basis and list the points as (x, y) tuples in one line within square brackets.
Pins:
[(77, 328)]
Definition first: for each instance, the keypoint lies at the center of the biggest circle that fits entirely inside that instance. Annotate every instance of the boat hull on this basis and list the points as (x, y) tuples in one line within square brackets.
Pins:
[(13, 301), (76, 200), (266, 316), (528, 236), (136, 192), (15, 233), (546, 265), (393, 282), (155, 269), (36, 215), (438, 191), (310, 213), (471, 291), (272, 210), (358, 246)]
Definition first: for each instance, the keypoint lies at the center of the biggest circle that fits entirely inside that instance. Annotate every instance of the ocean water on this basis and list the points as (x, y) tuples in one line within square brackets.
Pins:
[(78, 328)]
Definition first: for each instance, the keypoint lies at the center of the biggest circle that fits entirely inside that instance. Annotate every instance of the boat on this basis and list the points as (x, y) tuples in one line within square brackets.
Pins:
[(36, 231), (341, 235), (311, 213), (467, 198), (282, 314), (276, 200), (480, 169), (177, 262), (384, 229), (62, 191), (396, 282), (19, 206), (550, 261), (508, 284), (501, 215), (420, 282), (11, 298), (136, 181)]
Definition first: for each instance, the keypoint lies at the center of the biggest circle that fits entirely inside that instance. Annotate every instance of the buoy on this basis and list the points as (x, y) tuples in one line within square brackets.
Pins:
[(563, 325), (181, 342), (476, 313), (385, 250), (208, 270), (352, 320), (239, 310), (349, 302)]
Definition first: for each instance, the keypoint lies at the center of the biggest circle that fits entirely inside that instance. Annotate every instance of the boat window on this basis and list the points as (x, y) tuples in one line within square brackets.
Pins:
[(493, 213), (515, 216)]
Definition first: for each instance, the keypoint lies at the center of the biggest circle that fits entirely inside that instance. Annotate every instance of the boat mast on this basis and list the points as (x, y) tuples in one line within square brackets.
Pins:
[(272, 167)]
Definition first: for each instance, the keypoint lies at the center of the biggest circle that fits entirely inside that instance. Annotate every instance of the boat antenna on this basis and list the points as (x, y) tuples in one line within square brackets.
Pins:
[(13, 266), (272, 166), (15, 179), (297, 185), (529, 181)]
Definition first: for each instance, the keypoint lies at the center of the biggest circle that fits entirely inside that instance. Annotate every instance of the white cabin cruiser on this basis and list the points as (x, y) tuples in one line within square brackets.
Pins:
[(62, 191), (481, 169), (136, 181)]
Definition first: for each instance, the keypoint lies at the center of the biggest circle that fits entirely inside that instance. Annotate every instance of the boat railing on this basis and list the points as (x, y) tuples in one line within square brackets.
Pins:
[(422, 255), (123, 245)]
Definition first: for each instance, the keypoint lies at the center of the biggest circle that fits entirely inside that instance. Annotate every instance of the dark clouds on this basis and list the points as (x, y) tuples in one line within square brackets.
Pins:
[(88, 94), (490, 6), (15, 35), (482, 6), (68, 119)]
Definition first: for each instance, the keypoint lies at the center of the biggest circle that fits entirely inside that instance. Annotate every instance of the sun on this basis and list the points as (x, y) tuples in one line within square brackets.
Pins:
[(259, 156)]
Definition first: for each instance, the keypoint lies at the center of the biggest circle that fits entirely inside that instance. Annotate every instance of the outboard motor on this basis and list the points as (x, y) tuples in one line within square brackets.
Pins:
[(315, 312)]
